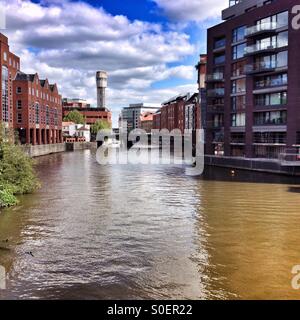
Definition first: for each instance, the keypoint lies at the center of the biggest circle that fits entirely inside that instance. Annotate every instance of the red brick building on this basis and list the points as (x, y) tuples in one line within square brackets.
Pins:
[(173, 113), (38, 110), (146, 121), (157, 120), (90, 114), (10, 64)]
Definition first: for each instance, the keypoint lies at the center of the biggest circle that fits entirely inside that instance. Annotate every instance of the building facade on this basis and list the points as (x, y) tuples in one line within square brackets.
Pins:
[(38, 110), (90, 114), (146, 121), (253, 81), (10, 65), (133, 113)]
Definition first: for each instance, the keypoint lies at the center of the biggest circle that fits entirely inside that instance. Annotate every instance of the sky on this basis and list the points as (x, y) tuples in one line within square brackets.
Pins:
[(148, 47)]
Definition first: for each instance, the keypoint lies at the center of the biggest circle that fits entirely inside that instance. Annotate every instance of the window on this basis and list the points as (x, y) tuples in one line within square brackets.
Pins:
[(275, 22), (271, 81), (5, 113), (238, 86), (238, 103), (19, 90), (272, 99), (37, 113), (19, 104), (4, 56), (238, 68), (238, 119), (219, 59), (220, 43), (238, 34), (278, 60), (19, 117), (238, 51), (47, 115), (270, 118)]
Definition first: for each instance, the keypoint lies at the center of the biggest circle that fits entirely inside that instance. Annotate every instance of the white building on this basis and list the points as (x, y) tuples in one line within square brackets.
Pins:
[(133, 113), (71, 129)]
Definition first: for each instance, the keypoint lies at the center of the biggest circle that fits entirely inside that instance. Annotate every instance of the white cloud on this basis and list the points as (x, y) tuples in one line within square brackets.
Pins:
[(192, 10), (68, 41)]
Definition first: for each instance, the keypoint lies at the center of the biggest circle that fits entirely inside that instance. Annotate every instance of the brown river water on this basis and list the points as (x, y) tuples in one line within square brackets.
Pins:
[(142, 232)]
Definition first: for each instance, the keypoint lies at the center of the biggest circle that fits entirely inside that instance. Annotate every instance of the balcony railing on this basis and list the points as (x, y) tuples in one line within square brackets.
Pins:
[(219, 92), (268, 26), (217, 108), (264, 47), (278, 121), (262, 66), (215, 77)]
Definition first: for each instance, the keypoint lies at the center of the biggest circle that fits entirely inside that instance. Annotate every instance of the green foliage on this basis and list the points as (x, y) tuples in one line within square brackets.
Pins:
[(17, 175), (75, 116), (7, 198), (100, 125)]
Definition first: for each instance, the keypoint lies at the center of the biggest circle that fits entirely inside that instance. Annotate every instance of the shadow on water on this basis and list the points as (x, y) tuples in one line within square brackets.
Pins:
[(228, 174)]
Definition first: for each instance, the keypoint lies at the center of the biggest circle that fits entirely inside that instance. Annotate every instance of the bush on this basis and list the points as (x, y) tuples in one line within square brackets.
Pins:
[(16, 170), (17, 175), (7, 198)]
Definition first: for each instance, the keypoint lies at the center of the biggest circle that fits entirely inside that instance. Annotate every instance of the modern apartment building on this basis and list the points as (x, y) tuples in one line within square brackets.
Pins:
[(38, 110), (253, 81), (133, 113), (10, 65)]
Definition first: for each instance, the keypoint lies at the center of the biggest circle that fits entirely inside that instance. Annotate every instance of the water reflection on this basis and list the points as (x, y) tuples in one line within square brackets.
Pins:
[(106, 232)]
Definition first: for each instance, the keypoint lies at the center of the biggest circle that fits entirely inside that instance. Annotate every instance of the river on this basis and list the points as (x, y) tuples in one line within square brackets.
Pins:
[(141, 232)]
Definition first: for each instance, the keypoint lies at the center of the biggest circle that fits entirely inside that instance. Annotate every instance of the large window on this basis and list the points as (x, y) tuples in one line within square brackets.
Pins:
[(220, 43), (5, 114), (278, 60), (272, 99), (238, 103), (270, 118), (219, 59), (238, 34), (278, 21), (238, 51), (238, 119), (271, 81), (238, 86), (47, 115), (238, 68), (37, 113), (278, 41)]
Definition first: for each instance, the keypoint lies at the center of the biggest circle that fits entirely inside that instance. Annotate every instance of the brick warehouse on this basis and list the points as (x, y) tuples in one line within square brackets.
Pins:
[(90, 114), (10, 65), (38, 110), (253, 95)]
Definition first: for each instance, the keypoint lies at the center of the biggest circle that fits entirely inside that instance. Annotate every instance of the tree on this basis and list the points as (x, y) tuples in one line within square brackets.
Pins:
[(17, 174), (75, 116), (100, 125)]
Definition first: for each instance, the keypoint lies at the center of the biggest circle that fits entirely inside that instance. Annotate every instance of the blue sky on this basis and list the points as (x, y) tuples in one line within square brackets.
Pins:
[(148, 47)]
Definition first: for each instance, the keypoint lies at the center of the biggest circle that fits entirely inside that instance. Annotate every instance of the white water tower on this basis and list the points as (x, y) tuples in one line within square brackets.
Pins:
[(101, 80)]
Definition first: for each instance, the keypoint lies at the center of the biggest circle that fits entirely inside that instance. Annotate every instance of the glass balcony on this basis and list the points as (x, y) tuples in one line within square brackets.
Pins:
[(261, 67), (219, 92), (215, 77), (262, 28), (262, 47)]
